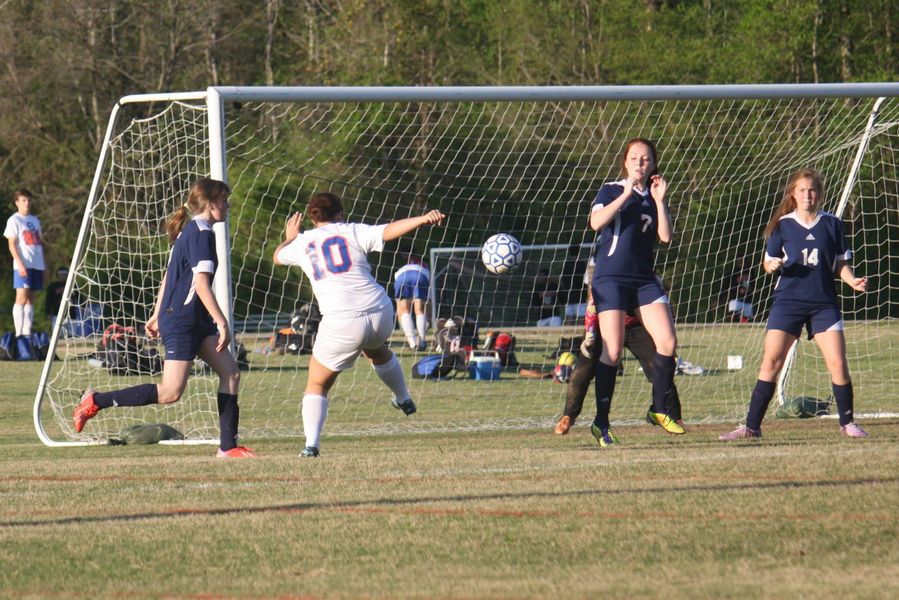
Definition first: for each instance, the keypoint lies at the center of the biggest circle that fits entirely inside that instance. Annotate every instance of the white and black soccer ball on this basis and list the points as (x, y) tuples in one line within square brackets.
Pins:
[(501, 253)]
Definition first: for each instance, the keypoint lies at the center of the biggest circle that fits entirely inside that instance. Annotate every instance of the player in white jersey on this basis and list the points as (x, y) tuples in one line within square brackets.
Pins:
[(410, 288), (357, 314), (23, 234)]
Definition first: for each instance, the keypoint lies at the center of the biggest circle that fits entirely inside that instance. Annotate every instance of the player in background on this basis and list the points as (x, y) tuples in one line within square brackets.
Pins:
[(23, 233), (636, 339), (808, 248), (357, 314), (410, 289), (189, 319), (631, 215)]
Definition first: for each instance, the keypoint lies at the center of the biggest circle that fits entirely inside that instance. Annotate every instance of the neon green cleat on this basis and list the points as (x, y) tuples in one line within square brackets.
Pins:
[(605, 438), (667, 423)]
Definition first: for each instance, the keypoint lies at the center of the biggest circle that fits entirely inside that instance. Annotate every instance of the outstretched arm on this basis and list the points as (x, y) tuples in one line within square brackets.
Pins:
[(404, 226)]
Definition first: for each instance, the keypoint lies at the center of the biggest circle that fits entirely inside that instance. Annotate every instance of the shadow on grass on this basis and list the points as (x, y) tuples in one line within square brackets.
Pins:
[(349, 506)]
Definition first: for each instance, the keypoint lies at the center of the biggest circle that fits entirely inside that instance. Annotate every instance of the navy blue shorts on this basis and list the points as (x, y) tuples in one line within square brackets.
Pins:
[(410, 285), (184, 345), (33, 281), (613, 294), (793, 316)]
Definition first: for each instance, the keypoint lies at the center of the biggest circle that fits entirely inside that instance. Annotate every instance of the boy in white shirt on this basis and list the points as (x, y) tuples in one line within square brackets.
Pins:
[(23, 232)]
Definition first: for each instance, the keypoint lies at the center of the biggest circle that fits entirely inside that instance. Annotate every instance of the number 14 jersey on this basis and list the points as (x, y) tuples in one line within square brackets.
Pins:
[(810, 254)]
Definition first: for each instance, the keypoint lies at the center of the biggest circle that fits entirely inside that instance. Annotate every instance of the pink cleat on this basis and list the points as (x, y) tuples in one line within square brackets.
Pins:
[(236, 452), (853, 430), (741, 433)]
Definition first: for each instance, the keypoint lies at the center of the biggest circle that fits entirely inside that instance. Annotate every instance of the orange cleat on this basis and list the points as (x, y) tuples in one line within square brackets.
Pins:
[(236, 452), (564, 425), (85, 410)]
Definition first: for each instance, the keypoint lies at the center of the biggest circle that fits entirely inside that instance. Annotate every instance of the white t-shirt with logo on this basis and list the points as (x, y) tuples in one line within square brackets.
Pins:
[(26, 231)]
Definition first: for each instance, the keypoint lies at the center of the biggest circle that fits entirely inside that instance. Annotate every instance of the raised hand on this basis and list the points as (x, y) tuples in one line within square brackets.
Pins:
[(658, 187)]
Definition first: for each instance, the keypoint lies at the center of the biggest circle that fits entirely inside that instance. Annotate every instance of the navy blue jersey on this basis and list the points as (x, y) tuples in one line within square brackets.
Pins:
[(625, 248), (810, 254), (193, 252)]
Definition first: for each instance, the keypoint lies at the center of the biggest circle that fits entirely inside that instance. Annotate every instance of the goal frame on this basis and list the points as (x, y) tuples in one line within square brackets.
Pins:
[(216, 97)]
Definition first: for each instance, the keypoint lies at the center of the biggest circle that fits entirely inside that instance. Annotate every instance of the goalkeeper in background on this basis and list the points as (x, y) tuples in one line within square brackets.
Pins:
[(636, 339), (189, 319), (357, 314)]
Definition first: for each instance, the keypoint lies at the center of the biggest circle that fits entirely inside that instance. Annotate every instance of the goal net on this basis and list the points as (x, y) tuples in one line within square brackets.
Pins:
[(524, 161)]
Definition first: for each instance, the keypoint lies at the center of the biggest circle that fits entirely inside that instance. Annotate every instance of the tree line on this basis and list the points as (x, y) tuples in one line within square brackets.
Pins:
[(66, 62)]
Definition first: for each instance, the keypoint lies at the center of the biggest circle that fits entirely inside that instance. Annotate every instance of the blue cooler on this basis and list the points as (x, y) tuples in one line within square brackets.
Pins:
[(484, 368)]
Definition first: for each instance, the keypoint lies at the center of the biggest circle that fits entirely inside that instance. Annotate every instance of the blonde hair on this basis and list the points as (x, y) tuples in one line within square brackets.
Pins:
[(788, 202), (203, 191)]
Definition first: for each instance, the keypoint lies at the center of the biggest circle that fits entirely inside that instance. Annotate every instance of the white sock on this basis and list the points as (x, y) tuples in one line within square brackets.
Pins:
[(409, 329), (27, 319), (421, 321), (18, 316), (391, 373), (315, 409)]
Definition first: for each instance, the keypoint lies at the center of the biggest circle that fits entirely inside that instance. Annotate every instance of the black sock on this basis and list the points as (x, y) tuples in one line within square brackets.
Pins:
[(138, 395), (844, 397), (229, 416), (758, 403), (662, 379), (604, 388)]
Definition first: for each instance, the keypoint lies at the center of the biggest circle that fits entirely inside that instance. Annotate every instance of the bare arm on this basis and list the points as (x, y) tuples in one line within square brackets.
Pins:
[(404, 226), (847, 274), (291, 230), (601, 217), (658, 187), (17, 259), (203, 282), (152, 326)]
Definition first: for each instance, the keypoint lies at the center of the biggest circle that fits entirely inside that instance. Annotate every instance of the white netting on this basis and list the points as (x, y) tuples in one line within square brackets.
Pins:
[(527, 168)]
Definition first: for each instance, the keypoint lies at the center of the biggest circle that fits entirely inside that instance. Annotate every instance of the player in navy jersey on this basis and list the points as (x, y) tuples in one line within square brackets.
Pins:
[(189, 320), (631, 215), (357, 314), (808, 248)]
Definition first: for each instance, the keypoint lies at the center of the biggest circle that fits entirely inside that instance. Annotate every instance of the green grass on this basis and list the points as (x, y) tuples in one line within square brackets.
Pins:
[(508, 514)]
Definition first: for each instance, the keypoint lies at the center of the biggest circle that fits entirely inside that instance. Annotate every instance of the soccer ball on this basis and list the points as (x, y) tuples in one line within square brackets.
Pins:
[(501, 253), (564, 367)]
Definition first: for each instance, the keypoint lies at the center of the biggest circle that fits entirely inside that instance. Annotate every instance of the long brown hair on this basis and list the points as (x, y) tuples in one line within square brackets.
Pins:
[(324, 207), (652, 149), (788, 202), (203, 191)]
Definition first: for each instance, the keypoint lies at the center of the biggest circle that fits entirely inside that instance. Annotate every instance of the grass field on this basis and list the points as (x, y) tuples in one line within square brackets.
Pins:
[(507, 514)]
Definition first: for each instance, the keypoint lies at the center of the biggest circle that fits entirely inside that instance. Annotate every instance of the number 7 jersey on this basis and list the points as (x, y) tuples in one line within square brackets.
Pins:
[(810, 254), (334, 257)]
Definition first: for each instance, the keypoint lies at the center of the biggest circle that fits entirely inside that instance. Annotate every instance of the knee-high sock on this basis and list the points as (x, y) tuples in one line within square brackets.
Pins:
[(315, 410), (845, 398), (27, 319), (18, 311), (391, 373), (421, 323), (408, 327), (229, 417), (662, 380), (604, 389), (758, 403), (137, 395)]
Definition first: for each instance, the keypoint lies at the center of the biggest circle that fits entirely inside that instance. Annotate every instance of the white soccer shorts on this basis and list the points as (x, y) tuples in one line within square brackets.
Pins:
[(340, 339)]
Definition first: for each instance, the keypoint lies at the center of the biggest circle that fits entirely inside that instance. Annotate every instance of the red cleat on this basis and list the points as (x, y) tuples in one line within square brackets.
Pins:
[(85, 410), (236, 452)]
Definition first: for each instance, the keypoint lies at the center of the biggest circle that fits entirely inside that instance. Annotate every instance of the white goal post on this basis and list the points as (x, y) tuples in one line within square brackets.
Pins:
[(522, 160)]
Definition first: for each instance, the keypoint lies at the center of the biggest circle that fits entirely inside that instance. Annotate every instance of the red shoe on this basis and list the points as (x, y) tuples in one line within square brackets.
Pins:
[(564, 425), (85, 410), (236, 452)]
